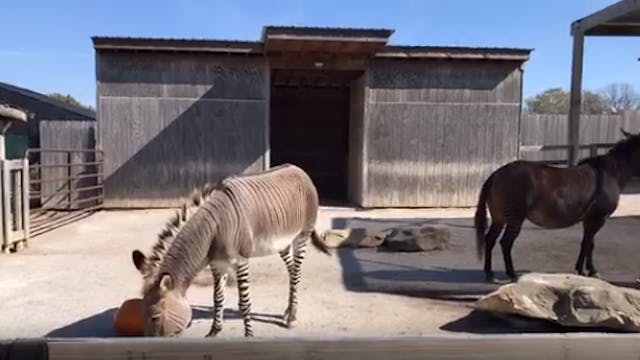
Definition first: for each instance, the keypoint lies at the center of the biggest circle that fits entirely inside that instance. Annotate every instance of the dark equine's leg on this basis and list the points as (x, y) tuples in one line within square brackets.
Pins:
[(506, 243), (591, 226), (489, 242)]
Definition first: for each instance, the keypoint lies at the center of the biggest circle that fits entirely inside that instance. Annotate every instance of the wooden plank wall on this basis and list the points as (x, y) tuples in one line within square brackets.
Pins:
[(67, 134), (541, 129), (170, 122), (434, 129), (356, 176)]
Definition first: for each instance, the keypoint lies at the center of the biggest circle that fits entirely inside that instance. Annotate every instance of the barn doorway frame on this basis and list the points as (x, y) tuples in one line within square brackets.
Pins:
[(323, 58)]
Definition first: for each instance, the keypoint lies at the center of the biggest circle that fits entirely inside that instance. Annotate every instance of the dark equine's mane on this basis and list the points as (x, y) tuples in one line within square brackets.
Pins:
[(625, 148), (622, 150)]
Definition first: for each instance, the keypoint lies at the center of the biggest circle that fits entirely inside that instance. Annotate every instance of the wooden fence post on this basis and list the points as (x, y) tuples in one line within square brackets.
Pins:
[(26, 200), (6, 205)]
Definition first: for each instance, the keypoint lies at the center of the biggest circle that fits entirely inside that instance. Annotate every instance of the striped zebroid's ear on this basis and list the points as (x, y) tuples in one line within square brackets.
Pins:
[(140, 261)]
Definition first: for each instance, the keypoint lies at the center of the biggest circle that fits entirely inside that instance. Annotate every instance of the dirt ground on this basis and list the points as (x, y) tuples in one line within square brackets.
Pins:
[(70, 281)]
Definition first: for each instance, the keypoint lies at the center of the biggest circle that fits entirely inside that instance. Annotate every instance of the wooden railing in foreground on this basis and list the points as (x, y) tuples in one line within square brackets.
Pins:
[(66, 185), (495, 347)]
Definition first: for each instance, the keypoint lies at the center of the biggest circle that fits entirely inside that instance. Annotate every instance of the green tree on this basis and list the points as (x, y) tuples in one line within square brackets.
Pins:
[(69, 100), (550, 101), (556, 101)]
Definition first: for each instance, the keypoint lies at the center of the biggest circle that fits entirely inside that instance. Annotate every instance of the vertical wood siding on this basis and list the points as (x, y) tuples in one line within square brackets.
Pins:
[(170, 122), (356, 140), (550, 129), (435, 129)]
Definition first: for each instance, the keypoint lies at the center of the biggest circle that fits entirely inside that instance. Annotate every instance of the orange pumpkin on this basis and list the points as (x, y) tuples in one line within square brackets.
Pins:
[(129, 319)]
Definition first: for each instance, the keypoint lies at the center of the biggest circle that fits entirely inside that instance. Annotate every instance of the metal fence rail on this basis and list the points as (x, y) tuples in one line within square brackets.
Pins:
[(66, 185)]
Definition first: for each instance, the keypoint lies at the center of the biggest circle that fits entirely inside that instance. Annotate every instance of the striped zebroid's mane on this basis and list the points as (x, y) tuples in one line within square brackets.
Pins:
[(171, 229)]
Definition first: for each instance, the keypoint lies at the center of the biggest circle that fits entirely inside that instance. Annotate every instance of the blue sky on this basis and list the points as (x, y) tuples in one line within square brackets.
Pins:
[(46, 45)]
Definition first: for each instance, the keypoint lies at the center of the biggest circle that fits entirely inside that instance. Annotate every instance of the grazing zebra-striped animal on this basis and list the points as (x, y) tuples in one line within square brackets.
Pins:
[(225, 225)]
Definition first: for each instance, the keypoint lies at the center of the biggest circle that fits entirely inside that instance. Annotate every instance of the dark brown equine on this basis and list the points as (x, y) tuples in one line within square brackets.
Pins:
[(553, 198)]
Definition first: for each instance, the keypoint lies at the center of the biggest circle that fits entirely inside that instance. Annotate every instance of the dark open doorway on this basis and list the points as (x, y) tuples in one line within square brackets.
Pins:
[(309, 126)]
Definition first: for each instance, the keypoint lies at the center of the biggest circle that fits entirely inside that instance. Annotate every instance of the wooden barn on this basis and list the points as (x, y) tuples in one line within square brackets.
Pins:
[(374, 124)]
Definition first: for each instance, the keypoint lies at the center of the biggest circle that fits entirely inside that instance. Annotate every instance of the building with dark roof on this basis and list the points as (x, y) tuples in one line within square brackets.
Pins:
[(39, 107), (374, 124)]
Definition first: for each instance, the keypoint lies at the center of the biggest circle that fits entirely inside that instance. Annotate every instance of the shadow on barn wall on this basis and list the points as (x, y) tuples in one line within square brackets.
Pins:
[(205, 142), (457, 273)]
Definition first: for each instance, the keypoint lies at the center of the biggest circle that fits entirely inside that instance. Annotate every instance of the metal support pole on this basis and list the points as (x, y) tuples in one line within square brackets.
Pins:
[(575, 99)]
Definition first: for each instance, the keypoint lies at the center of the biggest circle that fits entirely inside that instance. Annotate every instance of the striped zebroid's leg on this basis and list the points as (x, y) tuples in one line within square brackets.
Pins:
[(294, 267), (244, 301), (219, 283)]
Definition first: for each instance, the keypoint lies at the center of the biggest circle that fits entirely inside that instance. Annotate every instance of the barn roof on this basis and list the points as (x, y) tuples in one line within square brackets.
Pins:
[(47, 99), (619, 19), (283, 39)]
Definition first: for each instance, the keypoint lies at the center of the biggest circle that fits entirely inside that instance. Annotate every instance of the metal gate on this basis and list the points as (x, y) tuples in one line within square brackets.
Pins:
[(65, 186)]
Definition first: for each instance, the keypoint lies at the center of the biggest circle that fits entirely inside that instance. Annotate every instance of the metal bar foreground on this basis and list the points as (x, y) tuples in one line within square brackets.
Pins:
[(494, 347)]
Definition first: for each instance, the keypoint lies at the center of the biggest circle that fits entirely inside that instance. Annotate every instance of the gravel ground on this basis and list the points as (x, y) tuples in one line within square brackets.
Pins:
[(70, 281)]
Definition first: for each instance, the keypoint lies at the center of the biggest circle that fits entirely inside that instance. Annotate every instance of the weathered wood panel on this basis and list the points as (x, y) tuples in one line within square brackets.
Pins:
[(436, 129), (356, 140), (71, 134), (550, 129), (169, 123)]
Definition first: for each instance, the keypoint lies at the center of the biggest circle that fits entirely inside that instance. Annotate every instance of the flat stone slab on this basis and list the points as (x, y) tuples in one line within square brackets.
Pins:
[(568, 300)]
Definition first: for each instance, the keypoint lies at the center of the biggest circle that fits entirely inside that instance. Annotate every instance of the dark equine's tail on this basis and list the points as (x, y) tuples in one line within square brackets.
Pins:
[(480, 220)]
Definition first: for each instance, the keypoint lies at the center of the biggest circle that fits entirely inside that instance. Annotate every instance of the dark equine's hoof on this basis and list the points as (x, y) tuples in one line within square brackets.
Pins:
[(489, 278), (594, 275)]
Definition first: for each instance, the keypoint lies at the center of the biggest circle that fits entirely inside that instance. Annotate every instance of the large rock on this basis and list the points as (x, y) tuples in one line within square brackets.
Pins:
[(569, 300), (417, 238), (352, 238)]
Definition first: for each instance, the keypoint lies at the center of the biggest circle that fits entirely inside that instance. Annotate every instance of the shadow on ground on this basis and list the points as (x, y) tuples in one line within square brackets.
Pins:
[(101, 325), (480, 322), (456, 272), (206, 313)]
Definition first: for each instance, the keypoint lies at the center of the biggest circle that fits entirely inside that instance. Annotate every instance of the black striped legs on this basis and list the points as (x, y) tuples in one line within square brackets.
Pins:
[(244, 301), (294, 267), (219, 283)]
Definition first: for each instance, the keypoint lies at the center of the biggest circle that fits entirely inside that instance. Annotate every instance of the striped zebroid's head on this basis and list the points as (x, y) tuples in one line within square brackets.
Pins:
[(166, 310)]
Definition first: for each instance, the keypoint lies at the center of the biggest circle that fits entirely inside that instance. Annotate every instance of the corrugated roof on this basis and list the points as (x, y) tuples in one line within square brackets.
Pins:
[(175, 44), (302, 33), (47, 99), (379, 34), (454, 52)]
